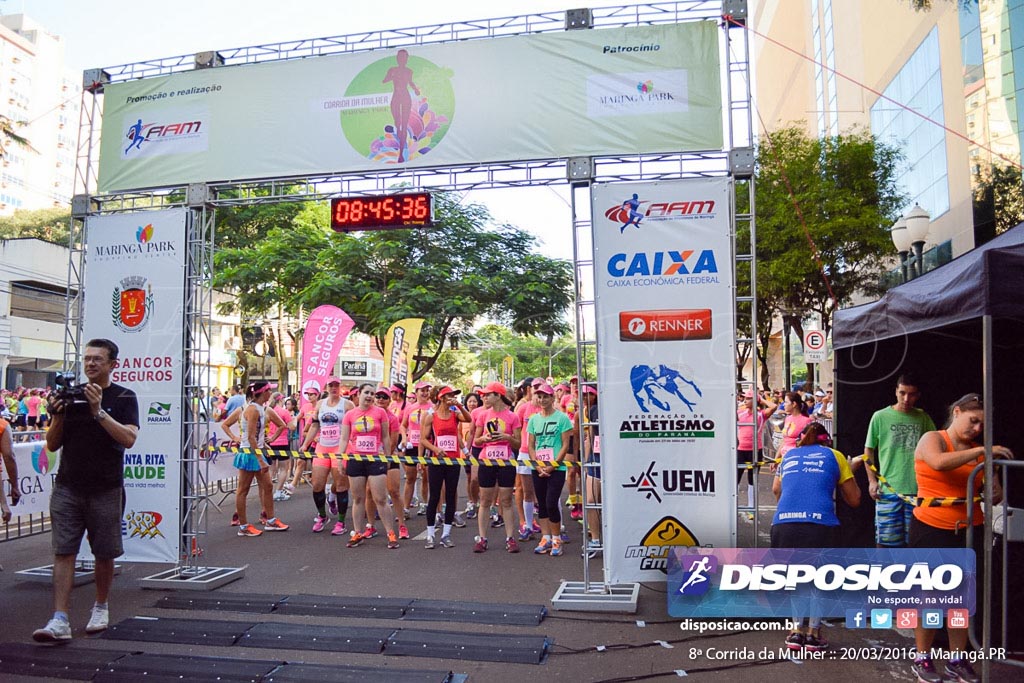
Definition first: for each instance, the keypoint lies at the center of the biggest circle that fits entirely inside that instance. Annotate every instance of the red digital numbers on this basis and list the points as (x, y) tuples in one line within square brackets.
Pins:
[(381, 212)]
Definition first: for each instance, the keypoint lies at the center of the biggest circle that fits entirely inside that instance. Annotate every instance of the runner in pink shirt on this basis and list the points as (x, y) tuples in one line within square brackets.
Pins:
[(414, 414), (365, 430), (526, 499), (498, 433)]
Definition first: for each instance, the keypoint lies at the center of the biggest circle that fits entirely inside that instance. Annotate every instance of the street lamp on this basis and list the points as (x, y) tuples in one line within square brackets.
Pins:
[(917, 231), (901, 240)]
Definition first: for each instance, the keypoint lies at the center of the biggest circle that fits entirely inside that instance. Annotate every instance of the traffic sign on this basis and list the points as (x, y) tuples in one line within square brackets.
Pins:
[(815, 350)]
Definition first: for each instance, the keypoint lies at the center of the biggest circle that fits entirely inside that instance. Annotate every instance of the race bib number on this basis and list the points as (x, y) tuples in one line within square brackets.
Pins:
[(366, 443), (448, 443), (414, 437), (330, 434), (546, 454), (597, 444), (496, 451)]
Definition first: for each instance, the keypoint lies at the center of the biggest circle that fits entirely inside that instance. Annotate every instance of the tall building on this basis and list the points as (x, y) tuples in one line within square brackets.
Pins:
[(37, 88), (883, 66)]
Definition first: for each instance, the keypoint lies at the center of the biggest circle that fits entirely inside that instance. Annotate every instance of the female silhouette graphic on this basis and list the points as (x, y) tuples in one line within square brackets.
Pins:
[(401, 102)]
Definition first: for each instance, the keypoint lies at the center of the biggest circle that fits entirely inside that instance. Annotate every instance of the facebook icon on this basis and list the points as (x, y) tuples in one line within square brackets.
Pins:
[(855, 618)]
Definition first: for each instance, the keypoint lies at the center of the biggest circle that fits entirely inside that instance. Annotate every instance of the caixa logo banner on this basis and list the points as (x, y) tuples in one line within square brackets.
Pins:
[(821, 582)]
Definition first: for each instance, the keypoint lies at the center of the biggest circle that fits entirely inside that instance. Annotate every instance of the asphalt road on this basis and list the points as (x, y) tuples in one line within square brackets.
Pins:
[(299, 561)]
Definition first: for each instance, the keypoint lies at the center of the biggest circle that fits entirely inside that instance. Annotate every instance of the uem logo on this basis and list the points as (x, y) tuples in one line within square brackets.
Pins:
[(672, 482), (663, 263)]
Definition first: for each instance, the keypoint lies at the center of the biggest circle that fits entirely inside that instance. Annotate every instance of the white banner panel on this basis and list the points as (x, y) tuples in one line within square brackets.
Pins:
[(37, 470), (134, 295), (578, 93), (663, 269)]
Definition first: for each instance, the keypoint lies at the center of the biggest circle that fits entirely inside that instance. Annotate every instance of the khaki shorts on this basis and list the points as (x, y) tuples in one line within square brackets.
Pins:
[(74, 515)]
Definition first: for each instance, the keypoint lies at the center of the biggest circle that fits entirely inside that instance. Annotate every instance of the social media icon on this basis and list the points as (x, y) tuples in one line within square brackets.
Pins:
[(957, 618), (856, 618), (881, 618), (906, 618), (932, 618)]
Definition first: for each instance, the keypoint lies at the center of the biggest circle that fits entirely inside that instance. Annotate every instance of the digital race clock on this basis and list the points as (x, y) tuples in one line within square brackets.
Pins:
[(380, 212)]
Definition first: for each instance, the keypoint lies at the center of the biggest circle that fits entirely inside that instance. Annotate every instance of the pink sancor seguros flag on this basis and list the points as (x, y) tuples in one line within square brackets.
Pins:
[(326, 331)]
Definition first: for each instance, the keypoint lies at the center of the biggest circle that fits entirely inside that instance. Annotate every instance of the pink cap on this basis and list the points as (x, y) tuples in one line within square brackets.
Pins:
[(590, 390), (382, 390), (447, 391), (544, 388), (563, 386), (423, 385), (495, 388), (332, 380)]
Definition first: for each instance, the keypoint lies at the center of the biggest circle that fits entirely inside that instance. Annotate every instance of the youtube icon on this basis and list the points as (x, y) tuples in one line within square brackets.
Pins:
[(665, 325)]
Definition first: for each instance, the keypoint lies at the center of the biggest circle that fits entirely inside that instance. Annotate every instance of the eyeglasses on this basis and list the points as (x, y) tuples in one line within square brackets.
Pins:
[(94, 359), (970, 398)]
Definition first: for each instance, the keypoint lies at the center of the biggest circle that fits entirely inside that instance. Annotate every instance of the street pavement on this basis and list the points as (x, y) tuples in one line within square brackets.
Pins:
[(299, 561)]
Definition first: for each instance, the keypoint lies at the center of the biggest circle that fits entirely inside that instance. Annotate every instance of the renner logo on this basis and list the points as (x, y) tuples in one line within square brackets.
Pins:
[(665, 325), (663, 263)]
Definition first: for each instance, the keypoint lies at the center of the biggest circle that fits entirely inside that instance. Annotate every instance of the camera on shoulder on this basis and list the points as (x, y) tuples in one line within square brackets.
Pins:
[(68, 390)]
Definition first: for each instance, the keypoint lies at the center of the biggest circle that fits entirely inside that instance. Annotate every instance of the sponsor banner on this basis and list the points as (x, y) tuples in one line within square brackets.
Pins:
[(627, 90), (400, 344), (663, 256), (508, 370), (134, 295), (821, 582), (326, 331), (37, 470)]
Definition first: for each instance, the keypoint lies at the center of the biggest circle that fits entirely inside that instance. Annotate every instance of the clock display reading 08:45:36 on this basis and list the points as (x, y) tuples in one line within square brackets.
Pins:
[(380, 212)]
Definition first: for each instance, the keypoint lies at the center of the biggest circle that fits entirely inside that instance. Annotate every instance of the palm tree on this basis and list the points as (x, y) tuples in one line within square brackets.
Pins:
[(7, 135)]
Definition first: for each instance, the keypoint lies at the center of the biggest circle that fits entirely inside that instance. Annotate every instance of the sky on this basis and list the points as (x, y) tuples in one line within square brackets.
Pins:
[(102, 33)]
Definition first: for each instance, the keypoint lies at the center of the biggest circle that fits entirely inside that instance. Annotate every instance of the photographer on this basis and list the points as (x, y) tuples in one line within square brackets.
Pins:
[(94, 424)]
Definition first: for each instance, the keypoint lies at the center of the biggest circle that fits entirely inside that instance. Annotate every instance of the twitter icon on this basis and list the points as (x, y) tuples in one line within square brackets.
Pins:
[(881, 618)]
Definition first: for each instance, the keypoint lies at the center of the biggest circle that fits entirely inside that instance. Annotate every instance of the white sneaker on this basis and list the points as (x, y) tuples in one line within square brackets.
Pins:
[(98, 621), (54, 631)]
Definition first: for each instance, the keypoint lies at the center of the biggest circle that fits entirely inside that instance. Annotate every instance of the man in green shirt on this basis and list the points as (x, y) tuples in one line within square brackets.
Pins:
[(892, 437)]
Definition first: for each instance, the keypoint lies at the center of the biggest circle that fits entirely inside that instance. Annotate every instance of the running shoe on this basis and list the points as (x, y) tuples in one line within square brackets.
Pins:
[(279, 496), (275, 525), (249, 530), (497, 522), (511, 545), (354, 539), (318, 524), (813, 643), (287, 486), (370, 532), (234, 520), (564, 537), (958, 670), (446, 541), (795, 642), (536, 528), (403, 532), (392, 540), (925, 671), (459, 522), (556, 548), (429, 545), (99, 619), (576, 512), (593, 549), (332, 505), (480, 546), (422, 510), (543, 547), (525, 533), (339, 529), (470, 511), (54, 631)]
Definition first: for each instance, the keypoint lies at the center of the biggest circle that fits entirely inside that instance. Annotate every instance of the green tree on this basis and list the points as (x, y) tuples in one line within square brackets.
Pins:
[(50, 225), (9, 135), (842, 189), (533, 356), (998, 200)]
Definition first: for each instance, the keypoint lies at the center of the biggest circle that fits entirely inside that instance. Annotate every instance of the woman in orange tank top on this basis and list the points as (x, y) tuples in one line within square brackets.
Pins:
[(943, 462)]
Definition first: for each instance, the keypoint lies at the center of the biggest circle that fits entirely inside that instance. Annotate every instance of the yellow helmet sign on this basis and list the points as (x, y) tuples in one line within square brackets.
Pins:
[(653, 549)]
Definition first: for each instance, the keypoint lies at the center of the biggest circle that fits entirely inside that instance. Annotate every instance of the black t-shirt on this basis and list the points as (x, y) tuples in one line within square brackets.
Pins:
[(90, 460)]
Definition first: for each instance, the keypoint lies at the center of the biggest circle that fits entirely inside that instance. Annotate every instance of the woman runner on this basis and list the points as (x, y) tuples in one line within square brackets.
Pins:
[(364, 430), (549, 432), (252, 434), (498, 431), (440, 436), (326, 428)]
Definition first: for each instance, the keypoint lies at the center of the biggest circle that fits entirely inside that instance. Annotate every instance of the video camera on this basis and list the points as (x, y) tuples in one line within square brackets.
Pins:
[(68, 390)]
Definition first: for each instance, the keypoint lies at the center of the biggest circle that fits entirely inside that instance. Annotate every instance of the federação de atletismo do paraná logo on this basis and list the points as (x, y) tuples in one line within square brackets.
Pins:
[(398, 108)]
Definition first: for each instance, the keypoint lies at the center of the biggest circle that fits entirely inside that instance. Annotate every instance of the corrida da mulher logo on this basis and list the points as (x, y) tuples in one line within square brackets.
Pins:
[(398, 108)]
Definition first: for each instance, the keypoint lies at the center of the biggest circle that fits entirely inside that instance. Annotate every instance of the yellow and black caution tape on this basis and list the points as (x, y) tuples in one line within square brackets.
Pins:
[(917, 501), (403, 459)]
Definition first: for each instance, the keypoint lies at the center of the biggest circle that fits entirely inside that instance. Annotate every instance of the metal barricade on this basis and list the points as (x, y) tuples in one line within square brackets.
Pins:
[(25, 437)]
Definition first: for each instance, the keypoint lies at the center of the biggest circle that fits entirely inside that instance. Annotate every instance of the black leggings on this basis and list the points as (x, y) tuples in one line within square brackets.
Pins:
[(448, 475), (549, 490)]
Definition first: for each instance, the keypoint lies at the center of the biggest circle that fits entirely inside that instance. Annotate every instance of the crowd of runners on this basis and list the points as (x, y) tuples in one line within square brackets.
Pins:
[(385, 454)]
